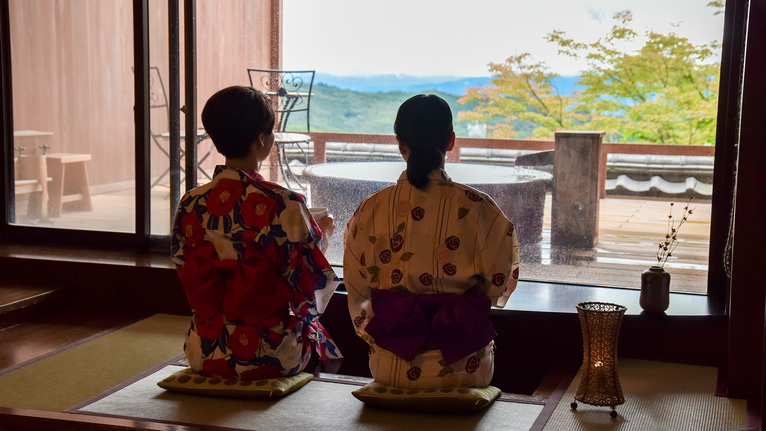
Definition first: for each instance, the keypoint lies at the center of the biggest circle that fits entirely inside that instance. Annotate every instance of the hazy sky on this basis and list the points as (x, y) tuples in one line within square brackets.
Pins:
[(460, 37)]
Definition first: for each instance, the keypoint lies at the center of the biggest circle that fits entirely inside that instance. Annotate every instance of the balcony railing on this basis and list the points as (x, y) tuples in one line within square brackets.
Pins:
[(320, 140)]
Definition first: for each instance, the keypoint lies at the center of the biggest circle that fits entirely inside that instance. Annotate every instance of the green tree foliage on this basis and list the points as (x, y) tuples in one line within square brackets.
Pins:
[(520, 91), (665, 92)]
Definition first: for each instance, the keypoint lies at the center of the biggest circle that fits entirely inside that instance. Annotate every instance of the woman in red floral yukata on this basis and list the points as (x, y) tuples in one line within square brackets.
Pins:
[(248, 255), (424, 262)]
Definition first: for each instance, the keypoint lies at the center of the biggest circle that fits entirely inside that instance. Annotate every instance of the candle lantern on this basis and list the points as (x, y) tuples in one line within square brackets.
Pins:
[(599, 383)]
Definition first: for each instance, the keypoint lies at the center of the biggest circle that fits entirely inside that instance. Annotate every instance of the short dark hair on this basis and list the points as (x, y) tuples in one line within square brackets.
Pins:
[(424, 124), (235, 116)]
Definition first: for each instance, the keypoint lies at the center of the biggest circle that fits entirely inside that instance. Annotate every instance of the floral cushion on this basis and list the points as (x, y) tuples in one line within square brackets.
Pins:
[(445, 400), (189, 382)]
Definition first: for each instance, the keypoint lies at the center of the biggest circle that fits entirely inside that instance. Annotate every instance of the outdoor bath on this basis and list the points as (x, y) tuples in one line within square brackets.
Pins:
[(341, 187)]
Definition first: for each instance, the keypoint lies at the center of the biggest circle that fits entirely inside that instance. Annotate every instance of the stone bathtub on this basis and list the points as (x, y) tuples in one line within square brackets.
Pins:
[(341, 187)]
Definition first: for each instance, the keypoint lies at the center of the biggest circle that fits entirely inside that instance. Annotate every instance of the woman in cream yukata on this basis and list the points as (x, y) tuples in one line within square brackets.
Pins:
[(424, 262)]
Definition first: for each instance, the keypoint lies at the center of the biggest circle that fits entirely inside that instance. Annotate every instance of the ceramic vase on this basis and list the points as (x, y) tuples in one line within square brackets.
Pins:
[(655, 290)]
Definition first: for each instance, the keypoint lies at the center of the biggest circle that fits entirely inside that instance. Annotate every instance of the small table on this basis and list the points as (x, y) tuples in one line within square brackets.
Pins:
[(30, 140), (341, 187), (69, 183), (30, 133)]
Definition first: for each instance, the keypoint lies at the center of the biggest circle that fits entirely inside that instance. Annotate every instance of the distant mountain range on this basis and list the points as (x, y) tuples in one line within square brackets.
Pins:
[(338, 110), (419, 84)]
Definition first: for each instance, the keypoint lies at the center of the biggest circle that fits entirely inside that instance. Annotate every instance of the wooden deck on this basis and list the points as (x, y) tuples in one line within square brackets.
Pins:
[(629, 231)]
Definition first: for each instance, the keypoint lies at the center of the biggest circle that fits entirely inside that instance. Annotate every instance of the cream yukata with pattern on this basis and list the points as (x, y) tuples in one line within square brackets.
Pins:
[(404, 248)]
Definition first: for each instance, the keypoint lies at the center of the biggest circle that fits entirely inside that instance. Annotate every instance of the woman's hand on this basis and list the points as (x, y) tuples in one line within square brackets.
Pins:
[(327, 225)]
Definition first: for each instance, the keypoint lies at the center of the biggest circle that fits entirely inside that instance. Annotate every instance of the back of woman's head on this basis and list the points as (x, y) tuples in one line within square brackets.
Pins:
[(234, 117), (424, 125)]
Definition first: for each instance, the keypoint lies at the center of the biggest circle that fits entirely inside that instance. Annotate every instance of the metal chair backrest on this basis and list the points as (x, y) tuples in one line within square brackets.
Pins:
[(158, 105), (289, 90)]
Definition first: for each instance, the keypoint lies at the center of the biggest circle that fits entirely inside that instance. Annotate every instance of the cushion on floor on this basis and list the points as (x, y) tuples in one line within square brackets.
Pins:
[(189, 382), (445, 400)]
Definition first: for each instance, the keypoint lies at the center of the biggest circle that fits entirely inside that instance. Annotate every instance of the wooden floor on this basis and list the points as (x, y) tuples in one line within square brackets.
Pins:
[(629, 232), (44, 334)]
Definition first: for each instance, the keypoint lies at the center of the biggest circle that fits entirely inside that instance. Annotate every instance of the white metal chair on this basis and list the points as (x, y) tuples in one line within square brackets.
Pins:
[(291, 93), (159, 123)]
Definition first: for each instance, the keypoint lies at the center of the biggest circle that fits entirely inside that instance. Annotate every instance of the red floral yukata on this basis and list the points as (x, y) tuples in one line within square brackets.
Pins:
[(422, 269), (249, 257)]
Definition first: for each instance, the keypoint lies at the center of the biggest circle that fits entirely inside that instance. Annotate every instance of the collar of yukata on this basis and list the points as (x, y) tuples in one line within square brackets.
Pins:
[(253, 175), (435, 175)]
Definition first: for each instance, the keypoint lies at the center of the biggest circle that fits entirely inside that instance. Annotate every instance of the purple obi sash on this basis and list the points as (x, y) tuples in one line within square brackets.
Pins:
[(407, 323)]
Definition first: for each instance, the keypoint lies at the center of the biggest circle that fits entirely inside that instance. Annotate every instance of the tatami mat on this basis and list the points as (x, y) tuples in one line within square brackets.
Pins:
[(88, 378), (82, 371), (320, 405), (658, 396)]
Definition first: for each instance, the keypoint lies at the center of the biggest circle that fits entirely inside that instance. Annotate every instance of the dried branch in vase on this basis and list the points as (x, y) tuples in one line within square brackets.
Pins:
[(670, 243)]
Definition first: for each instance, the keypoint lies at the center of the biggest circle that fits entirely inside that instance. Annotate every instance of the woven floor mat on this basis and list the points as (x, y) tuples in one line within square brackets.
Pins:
[(658, 396), (86, 369), (320, 405)]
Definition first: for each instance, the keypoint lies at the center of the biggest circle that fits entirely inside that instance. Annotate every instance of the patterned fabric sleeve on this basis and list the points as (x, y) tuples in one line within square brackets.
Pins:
[(177, 240), (307, 270), (499, 256), (355, 276)]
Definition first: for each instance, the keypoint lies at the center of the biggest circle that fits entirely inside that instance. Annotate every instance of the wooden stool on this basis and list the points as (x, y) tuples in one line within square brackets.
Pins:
[(70, 183), (32, 178)]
